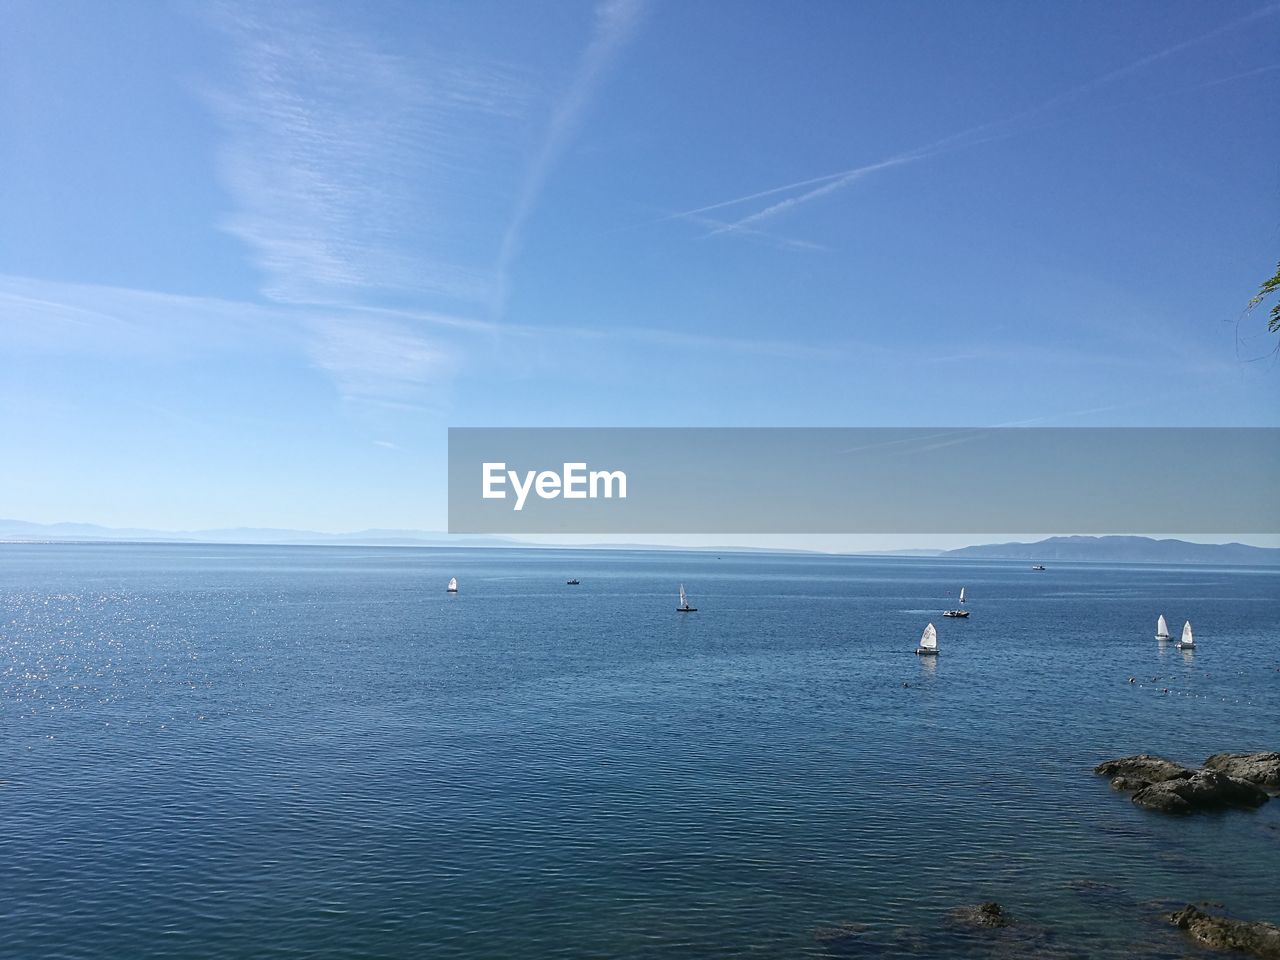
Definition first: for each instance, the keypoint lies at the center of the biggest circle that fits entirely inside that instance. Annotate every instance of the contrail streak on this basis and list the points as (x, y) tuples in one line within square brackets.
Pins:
[(834, 181)]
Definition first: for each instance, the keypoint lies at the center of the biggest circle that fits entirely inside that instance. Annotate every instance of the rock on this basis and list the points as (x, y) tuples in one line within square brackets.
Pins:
[(1260, 768), (1205, 790), (1108, 898), (1223, 933), (1129, 783), (844, 940), (988, 915), (1143, 767)]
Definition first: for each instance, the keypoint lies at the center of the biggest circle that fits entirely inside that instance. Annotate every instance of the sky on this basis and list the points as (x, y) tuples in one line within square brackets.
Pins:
[(255, 260)]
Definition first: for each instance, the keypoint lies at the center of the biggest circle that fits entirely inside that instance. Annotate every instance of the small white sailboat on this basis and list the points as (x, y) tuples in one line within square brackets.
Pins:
[(1162, 629), (962, 594), (453, 585), (928, 643), (684, 603), (1187, 642)]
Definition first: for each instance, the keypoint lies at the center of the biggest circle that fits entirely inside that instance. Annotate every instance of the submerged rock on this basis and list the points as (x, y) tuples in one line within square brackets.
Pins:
[(1143, 767), (1206, 790), (980, 931), (844, 940), (1223, 933), (1260, 768), (988, 915)]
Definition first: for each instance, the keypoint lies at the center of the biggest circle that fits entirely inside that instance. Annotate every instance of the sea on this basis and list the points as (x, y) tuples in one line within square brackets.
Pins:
[(316, 752)]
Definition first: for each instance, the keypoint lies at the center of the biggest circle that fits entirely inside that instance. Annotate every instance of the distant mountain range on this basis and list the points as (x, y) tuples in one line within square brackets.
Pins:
[(1106, 549), (34, 532), (23, 531), (1123, 550)]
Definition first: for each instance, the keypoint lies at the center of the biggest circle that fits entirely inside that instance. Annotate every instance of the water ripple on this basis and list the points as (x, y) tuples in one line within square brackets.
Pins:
[(229, 752)]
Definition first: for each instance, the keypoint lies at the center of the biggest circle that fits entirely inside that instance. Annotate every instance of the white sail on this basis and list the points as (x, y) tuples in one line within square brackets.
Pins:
[(1186, 634), (962, 594), (1162, 628), (929, 639), (453, 584), (684, 600)]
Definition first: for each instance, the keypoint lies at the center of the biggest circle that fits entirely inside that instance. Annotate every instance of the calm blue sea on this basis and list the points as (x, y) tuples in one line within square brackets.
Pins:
[(289, 752)]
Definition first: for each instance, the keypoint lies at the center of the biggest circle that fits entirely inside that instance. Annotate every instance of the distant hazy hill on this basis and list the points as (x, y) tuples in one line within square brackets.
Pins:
[(1125, 550), (24, 530), (1115, 549)]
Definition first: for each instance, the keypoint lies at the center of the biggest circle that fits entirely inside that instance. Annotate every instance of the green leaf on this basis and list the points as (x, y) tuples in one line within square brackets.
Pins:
[(1269, 287)]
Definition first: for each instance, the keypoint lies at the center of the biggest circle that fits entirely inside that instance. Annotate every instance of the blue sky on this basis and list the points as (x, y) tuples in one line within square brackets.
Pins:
[(254, 262)]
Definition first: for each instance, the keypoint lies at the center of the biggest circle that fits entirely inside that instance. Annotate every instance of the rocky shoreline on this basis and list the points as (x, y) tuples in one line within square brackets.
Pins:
[(986, 931), (1219, 932), (1226, 781)]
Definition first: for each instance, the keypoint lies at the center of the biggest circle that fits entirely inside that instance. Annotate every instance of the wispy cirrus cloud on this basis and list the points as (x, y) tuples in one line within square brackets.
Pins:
[(365, 175), (389, 358), (356, 172), (368, 355), (372, 360), (615, 23)]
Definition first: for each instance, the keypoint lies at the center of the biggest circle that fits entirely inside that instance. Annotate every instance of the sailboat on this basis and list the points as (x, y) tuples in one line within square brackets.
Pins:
[(962, 594), (928, 643), (957, 613), (684, 603), (1187, 642), (1162, 629), (453, 585)]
